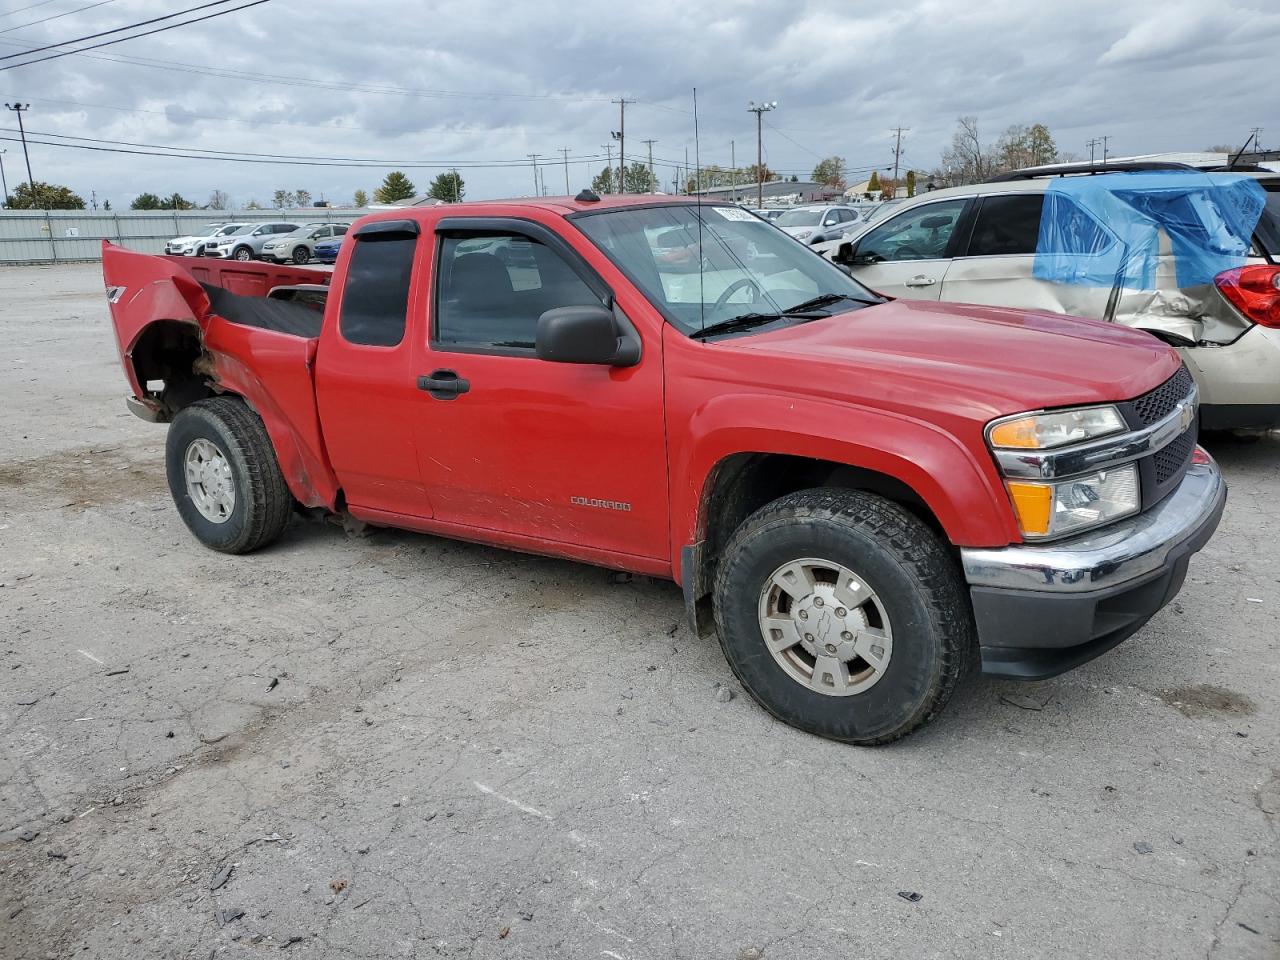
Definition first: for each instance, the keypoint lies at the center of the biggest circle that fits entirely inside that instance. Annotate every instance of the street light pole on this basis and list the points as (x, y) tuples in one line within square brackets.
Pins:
[(4, 197), (20, 109), (760, 109)]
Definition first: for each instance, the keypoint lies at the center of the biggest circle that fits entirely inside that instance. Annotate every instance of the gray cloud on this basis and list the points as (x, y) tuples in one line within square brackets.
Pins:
[(496, 81)]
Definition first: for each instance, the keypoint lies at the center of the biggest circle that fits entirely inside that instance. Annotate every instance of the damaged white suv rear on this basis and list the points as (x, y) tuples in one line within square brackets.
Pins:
[(1184, 255)]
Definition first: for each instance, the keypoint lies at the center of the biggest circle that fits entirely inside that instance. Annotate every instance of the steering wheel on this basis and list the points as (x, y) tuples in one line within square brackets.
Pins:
[(908, 252), (739, 284)]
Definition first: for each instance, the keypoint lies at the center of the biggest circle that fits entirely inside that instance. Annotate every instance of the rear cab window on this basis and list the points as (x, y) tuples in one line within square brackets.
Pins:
[(375, 294)]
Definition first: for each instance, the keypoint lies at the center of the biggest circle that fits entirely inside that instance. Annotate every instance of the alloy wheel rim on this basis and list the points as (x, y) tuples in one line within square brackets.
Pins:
[(210, 484), (825, 627)]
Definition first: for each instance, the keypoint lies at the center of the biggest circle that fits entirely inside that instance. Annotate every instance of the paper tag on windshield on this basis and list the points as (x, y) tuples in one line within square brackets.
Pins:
[(735, 213)]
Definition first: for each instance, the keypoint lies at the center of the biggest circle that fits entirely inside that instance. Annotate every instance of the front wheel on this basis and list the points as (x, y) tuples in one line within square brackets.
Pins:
[(224, 476), (243, 253), (301, 256), (843, 615)]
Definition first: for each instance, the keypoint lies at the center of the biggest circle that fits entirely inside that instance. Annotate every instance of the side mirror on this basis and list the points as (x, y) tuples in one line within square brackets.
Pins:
[(585, 334)]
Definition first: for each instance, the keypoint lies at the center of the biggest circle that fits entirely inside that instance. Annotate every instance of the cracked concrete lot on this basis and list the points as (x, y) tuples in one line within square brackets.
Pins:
[(398, 746)]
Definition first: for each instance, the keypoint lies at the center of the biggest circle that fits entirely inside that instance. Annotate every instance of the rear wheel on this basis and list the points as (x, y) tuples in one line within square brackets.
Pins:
[(224, 477), (843, 615), (301, 255)]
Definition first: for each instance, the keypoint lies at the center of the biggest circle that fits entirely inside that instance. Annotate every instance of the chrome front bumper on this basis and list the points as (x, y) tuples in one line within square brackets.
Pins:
[(1042, 609)]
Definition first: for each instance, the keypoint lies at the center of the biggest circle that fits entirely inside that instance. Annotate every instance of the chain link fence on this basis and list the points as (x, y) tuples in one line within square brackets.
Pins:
[(67, 236)]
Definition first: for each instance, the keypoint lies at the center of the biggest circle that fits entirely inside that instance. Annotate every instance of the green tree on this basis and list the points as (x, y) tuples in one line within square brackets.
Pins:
[(177, 202), (830, 172), (302, 198), (253, 205), (44, 196), (640, 180), (911, 183), (147, 201), (106, 204), (873, 185), (448, 187), (282, 199), (395, 186), (361, 199), (603, 181)]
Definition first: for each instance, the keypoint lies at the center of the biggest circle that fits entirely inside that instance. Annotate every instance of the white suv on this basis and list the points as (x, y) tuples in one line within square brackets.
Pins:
[(978, 244), (818, 224), (194, 245)]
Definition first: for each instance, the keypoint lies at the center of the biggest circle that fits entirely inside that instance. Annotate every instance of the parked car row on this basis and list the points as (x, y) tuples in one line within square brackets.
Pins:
[(275, 241)]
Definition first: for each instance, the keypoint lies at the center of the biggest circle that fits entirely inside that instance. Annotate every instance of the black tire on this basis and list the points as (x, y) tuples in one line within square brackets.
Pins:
[(243, 254), (301, 255), (913, 575), (262, 501)]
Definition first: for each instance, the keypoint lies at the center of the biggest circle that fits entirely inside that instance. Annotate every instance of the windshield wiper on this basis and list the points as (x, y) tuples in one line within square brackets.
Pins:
[(744, 322), (828, 299)]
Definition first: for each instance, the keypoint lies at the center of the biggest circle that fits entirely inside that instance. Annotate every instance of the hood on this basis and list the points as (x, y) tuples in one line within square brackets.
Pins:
[(966, 360), (796, 231)]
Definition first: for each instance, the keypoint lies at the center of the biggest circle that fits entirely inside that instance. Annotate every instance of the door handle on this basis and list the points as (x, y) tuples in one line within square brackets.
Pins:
[(444, 384), (920, 280)]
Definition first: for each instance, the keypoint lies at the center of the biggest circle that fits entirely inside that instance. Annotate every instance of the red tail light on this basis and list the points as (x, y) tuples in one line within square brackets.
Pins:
[(1254, 291)]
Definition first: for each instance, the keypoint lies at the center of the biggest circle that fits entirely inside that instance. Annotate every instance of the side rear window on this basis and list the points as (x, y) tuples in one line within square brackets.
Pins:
[(340, 230), (1007, 225), (492, 288), (375, 298)]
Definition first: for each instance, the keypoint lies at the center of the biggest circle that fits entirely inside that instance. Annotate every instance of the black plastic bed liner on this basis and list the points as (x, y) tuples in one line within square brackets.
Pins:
[(281, 316)]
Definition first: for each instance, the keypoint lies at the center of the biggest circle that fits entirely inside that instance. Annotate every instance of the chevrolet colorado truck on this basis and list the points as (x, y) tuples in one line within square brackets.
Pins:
[(864, 498)]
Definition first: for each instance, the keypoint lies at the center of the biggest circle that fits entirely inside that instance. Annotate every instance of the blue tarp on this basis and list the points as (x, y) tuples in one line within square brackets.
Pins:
[(1102, 230)]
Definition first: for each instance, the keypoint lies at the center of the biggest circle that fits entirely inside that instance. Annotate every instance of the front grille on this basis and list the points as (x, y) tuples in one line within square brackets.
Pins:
[(1170, 461), (1159, 403)]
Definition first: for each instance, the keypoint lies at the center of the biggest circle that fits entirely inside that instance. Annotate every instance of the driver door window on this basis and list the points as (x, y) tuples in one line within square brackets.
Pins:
[(492, 288), (905, 255), (919, 234)]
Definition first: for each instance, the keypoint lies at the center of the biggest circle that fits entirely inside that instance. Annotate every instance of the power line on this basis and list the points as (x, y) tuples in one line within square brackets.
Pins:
[(135, 36), (196, 153), (107, 33), (30, 6), (56, 16)]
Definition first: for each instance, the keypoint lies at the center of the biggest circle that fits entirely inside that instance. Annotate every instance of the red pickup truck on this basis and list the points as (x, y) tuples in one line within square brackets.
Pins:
[(864, 498)]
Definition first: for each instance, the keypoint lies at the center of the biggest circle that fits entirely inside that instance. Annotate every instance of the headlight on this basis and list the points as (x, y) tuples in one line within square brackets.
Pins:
[(1060, 507), (1044, 431)]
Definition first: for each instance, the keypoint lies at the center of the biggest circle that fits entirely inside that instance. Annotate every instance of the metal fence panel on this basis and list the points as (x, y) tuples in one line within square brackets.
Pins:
[(54, 236)]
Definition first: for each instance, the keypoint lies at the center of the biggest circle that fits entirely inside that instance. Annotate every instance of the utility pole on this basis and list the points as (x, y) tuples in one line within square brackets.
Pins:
[(621, 137), (4, 184), (684, 176), (760, 109), (457, 196), (897, 151), (653, 183), (565, 151), (1105, 140), (608, 152), (536, 188), (19, 109), (1092, 145)]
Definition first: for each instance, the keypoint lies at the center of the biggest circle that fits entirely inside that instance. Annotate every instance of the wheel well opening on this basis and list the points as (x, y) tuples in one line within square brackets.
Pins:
[(743, 483), (166, 359)]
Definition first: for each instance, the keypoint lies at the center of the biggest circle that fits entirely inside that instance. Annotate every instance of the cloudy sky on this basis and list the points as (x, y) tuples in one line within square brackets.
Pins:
[(483, 84)]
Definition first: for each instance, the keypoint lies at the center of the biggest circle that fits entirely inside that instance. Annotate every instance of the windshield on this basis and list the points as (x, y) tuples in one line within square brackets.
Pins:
[(800, 218), (209, 230), (743, 265)]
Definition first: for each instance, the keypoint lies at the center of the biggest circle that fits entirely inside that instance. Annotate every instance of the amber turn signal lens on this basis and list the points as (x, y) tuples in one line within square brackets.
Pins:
[(1032, 502), (1016, 434)]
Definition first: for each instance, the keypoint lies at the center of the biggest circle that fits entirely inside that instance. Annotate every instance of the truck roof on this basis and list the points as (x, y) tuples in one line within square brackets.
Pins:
[(561, 206)]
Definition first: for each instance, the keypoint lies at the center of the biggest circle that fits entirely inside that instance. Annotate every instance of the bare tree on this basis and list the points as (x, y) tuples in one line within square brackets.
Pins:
[(967, 160), (219, 200)]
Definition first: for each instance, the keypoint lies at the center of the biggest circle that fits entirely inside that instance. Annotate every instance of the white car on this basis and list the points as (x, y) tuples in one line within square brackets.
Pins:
[(818, 224), (194, 245), (981, 244)]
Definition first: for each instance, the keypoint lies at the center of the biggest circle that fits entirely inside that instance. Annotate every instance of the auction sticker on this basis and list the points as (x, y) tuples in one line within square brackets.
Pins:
[(735, 213)]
